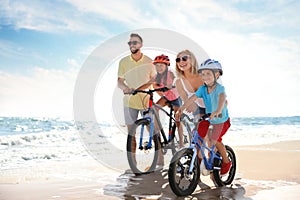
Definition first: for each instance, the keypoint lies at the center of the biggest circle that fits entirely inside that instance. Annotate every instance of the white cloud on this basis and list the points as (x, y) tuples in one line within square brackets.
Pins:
[(10, 49), (113, 10), (102, 18), (44, 93), (260, 72), (49, 16), (259, 48)]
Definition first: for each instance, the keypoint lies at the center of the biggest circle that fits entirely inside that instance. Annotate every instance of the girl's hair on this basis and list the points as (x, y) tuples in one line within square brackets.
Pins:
[(194, 68), (162, 76)]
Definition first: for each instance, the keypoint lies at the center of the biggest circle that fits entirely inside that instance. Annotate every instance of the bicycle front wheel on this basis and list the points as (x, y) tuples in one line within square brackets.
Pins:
[(142, 152), (181, 181)]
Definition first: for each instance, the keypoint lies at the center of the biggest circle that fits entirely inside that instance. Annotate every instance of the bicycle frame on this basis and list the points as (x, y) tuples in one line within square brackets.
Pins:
[(201, 146), (153, 114), (184, 170)]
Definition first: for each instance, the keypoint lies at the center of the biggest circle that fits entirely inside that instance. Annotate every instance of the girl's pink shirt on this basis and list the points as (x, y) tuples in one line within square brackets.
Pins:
[(170, 94)]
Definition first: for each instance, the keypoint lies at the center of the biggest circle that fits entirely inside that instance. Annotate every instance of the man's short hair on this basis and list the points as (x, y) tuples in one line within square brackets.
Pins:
[(136, 35)]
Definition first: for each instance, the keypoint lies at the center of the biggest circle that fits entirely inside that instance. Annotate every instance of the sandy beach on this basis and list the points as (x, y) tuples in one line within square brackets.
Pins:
[(269, 171)]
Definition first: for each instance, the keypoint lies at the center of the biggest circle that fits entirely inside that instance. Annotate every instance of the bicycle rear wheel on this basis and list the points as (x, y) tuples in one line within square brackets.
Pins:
[(229, 177), (142, 157)]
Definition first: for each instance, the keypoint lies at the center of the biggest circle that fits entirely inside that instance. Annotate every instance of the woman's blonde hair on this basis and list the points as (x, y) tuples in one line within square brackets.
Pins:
[(194, 68)]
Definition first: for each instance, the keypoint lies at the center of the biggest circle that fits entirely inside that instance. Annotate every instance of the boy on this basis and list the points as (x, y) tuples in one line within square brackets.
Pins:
[(214, 98)]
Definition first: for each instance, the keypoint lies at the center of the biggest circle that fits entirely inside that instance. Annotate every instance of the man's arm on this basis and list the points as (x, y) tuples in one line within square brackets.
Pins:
[(123, 86)]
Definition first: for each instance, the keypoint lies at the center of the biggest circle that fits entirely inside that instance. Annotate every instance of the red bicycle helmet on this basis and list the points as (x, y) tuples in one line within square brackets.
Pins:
[(162, 59)]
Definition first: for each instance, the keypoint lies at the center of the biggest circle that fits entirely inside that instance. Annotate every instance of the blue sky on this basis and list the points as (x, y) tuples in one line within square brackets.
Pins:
[(43, 45)]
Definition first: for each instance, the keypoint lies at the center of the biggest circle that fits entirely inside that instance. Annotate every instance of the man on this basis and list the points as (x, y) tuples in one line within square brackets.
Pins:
[(135, 70)]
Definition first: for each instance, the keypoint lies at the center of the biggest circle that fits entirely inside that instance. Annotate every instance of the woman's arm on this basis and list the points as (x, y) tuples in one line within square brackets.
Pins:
[(186, 104), (180, 90), (192, 107)]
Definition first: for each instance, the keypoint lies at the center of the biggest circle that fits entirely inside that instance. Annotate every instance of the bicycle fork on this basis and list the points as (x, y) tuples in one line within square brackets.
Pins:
[(193, 146), (210, 163), (149, 143)]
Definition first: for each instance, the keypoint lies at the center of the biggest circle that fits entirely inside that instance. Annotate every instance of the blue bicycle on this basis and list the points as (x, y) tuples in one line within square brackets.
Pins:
[(145, 141), (184, 169)]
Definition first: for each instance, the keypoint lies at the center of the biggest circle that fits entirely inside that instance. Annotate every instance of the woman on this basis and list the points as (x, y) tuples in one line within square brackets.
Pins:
[(189, 80)]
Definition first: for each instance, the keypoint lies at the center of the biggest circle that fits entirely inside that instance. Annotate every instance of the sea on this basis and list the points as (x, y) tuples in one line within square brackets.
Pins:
[(25, 141)]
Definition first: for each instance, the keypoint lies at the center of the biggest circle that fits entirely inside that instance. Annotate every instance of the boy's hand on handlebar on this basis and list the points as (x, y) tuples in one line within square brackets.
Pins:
[(215, 115)]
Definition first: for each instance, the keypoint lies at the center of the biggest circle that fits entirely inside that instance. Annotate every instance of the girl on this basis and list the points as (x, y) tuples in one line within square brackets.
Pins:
[(165, 78)]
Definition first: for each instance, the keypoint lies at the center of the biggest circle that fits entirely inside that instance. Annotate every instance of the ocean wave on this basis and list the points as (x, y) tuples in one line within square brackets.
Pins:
[(29, 140), (22, 125)]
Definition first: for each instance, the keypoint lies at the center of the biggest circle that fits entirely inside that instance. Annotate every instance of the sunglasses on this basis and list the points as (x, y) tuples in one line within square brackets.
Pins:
[(133, 43), (183, 58)]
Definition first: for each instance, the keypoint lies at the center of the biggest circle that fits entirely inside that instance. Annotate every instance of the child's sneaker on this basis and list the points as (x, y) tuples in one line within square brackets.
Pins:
[(225, 168)]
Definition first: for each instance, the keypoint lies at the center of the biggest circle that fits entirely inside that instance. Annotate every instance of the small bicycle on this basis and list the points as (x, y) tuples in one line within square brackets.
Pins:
[(144, 141), (184, 169)]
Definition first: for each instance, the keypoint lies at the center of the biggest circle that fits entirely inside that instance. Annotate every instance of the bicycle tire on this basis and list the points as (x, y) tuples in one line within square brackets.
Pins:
[(229, 177), (182, 183), (141, 161)]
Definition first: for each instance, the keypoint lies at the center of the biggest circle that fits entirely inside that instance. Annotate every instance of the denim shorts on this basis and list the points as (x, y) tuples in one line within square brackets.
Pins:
[(176, 103)]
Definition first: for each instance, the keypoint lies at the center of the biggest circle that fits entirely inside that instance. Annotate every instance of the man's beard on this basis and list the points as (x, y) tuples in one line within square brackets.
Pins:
[(134, 51)]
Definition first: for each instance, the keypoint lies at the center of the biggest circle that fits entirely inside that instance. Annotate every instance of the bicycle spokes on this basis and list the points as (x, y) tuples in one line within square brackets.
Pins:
[(142, 157)]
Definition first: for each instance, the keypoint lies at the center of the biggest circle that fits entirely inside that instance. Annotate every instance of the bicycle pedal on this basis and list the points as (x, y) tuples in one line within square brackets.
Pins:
[(185, 141), (178, 170)]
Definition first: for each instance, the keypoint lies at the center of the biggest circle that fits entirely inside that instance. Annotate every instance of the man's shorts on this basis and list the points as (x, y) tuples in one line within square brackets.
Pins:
[(131, 115)]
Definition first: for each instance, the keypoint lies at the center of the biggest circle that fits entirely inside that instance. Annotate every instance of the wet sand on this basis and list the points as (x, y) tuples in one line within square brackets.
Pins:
[(263, 172)]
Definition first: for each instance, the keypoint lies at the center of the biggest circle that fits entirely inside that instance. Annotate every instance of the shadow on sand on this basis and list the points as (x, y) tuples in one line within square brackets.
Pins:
[(156, 186)]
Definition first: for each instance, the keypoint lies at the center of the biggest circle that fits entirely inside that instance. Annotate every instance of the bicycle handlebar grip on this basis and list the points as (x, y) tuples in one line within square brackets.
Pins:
[(132, 93), (164, 89), (208, 115)]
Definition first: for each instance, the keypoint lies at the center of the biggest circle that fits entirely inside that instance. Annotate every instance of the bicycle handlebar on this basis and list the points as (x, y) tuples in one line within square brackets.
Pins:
[(163, 89), (204, 117)]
